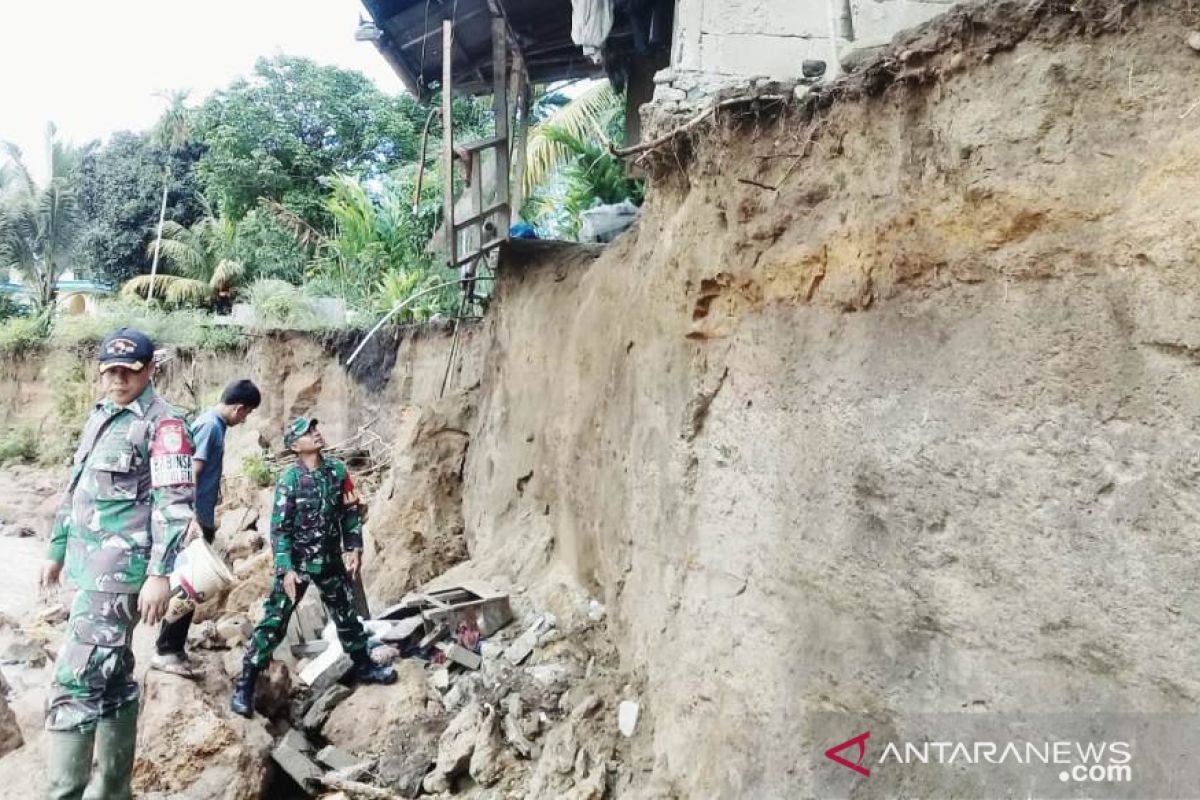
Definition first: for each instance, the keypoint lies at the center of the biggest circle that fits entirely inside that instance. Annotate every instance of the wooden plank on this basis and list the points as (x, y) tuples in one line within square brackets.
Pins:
[(487, 248), (520, 150), (448, 140), (500, 107), (482, 144), (480, 215)]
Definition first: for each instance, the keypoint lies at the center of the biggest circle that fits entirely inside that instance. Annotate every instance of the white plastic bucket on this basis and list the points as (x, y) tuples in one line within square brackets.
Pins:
[(199, 572)]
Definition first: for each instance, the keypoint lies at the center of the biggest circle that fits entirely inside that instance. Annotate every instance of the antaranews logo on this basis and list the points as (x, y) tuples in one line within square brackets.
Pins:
[(859, 741)]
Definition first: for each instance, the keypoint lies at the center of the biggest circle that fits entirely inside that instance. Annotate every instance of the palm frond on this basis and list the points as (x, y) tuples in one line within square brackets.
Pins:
[(172, 289), (226, 275), (585, 117), (306, 235)]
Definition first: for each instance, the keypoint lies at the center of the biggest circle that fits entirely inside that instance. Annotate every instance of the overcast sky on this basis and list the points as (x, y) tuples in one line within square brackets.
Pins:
[(94, 67)]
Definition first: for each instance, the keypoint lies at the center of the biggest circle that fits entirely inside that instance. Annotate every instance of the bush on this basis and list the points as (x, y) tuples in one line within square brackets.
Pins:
[(279, 304), (178, 328), (259, 471), (19, 444), (10, 308), (20, 335)]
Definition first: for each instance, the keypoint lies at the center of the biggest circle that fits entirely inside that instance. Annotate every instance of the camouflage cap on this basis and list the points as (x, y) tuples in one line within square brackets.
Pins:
[(297, 428), (126, 347)]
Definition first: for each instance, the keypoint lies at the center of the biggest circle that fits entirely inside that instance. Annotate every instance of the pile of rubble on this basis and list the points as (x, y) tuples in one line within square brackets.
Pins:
[(493, 696)]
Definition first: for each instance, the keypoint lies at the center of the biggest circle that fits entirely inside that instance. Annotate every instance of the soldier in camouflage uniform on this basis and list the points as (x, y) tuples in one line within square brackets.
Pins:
[(118, 529), (316, 516)]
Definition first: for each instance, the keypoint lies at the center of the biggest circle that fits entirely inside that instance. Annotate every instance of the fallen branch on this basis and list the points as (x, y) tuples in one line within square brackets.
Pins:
[(749, 182)]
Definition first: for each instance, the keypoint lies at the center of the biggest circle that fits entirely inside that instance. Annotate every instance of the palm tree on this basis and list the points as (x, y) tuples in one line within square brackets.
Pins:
[(203, 274), (39, 223), (588, 116), (171, 133)]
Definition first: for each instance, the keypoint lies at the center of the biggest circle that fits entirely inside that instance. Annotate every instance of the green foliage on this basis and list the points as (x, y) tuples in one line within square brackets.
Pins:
[(259, 471), (75, 391), (193, 329), (292, 122), (591, 176), (267, 249), (204, 274), (21, 335), (278, 304), (120, 189), (18, 444), (39, 223), (10, 308)]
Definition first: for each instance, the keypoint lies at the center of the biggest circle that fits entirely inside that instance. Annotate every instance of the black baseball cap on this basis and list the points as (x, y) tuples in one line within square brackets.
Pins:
[(126, 347)]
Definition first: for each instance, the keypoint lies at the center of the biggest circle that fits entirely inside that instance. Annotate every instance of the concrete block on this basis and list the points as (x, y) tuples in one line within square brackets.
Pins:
[(323, 706), (402, 631), (459, 654), (326, 669), (290, 755), (754, 54), (335, 758)]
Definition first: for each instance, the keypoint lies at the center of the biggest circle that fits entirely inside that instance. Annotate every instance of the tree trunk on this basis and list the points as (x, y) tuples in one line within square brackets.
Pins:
[(162, 213)]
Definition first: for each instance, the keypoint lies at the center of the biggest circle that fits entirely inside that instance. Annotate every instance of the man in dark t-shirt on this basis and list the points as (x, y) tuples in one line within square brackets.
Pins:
[(239, 399)]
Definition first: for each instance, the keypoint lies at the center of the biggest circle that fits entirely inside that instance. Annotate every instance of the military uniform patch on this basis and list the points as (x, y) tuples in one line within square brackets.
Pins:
[(170, 455)]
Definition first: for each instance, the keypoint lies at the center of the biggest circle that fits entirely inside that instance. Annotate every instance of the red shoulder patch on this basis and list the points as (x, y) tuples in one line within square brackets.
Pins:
[(349, 495), (171, 455)]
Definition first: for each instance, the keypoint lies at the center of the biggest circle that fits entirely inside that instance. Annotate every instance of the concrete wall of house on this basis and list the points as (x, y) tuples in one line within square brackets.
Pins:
[(718, 43)]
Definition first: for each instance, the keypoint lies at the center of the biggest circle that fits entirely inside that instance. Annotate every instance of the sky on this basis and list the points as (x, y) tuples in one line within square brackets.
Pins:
[(94, 68)]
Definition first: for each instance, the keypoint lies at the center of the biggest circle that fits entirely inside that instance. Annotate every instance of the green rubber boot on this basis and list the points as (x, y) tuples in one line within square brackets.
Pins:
[(116, 743), (70, 763)]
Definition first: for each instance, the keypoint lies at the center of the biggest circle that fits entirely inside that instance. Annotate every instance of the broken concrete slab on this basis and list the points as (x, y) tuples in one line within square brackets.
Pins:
[(326, 669), (627, 717), (402, 631), (523, 645), (323, 706), (438, 632), (476, 603), (291, 756), (336, 758), (459, 654)]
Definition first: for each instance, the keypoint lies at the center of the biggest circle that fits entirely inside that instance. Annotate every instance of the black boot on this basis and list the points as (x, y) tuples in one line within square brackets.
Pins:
[(242, 701), (367, 671)]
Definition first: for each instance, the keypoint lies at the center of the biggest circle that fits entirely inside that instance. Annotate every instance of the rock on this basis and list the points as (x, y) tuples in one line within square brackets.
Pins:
[(1193, 41), (10, 731), (514, 731), (393, 710), (17, 531), (21, 650), (271, 698), (338, 759), (457, 744), (234, 630), (408, 756), (324, 705), (189, 747), (203, 636), (486, 763), (54, 614), (627, 717), (812, 68), (440, 679), (232, 663)]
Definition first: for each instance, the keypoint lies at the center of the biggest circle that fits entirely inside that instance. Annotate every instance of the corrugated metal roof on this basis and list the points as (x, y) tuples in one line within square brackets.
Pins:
[(412, 40)]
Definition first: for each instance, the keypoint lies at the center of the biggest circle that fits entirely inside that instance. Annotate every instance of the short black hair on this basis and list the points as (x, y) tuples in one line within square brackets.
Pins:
[(242, 393)]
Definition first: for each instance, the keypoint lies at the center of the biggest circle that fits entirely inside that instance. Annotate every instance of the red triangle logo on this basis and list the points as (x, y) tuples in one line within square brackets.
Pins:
[(856, 765)]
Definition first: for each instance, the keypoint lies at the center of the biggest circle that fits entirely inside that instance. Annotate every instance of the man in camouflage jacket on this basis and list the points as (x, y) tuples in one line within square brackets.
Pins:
[(316, 516), (119, 526)]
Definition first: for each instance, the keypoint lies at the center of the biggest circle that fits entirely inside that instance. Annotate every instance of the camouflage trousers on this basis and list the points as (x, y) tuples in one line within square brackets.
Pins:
[(336, 593), (93, 674)]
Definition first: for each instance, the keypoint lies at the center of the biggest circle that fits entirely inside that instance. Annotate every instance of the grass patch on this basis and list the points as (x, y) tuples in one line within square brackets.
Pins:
[(22, 335), (18, 444), (193, 329), (259, 471)]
